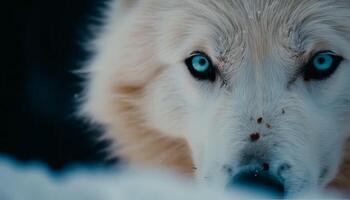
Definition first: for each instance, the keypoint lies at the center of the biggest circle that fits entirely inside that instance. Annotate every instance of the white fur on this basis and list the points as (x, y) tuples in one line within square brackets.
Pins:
[(258, 46)]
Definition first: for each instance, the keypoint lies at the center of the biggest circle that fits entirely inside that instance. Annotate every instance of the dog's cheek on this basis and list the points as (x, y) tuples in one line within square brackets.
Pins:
[(168, 101)]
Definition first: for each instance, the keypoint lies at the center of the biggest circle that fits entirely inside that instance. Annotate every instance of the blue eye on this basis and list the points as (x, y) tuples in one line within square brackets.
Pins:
[(200, 63), (201, 66), (322, 65), (323, 61)]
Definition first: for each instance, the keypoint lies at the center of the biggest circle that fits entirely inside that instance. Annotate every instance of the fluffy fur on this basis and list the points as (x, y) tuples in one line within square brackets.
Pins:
[(35, 182), (158, 114)]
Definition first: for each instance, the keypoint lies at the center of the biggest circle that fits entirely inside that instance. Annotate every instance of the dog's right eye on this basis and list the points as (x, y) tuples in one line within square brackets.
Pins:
[(200, 66)]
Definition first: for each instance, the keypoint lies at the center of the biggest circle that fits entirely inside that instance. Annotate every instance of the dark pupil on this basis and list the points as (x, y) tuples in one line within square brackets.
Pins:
[(321, 60), (202, 61)]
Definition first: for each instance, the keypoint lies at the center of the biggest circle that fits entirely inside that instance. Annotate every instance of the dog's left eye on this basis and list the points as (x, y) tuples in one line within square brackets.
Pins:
[(322, 65), (200, 66)]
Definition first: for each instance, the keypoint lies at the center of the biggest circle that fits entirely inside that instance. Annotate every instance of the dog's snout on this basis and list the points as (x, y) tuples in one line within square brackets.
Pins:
[(258, 178)]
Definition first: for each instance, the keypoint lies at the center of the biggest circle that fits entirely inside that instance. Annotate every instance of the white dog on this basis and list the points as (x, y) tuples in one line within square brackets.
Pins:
[(250, 92)]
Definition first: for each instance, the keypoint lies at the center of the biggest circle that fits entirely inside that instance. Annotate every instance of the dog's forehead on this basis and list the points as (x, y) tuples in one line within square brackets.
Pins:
[(256, 29)]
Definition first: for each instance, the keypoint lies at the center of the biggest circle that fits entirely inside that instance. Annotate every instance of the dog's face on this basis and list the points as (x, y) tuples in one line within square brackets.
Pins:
[(257, 88)]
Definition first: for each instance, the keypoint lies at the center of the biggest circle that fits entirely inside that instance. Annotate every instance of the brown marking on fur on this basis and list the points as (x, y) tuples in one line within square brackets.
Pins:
[(128, 89), (342, 181), (139, 144), (254, 137), (135, 141), (165, 152)]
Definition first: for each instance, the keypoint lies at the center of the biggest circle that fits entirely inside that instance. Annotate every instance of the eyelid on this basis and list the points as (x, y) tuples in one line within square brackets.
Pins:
[(199, 52), (324, 52)]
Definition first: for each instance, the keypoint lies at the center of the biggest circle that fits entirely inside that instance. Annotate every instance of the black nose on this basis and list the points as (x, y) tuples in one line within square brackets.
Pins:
[(260, 180)]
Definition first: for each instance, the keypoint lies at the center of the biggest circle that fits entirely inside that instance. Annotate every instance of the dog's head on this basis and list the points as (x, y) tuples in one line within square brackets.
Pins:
[(260, 90)]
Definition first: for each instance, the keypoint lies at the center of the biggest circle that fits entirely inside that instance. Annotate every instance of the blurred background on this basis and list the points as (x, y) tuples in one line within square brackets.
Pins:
[(39, 91)]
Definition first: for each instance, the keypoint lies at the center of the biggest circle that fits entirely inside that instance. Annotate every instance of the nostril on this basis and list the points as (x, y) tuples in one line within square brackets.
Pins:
[(261, 180), (265, 166)]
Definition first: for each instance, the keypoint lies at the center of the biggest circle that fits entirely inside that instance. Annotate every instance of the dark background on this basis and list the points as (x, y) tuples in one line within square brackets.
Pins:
[(39, 90)]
